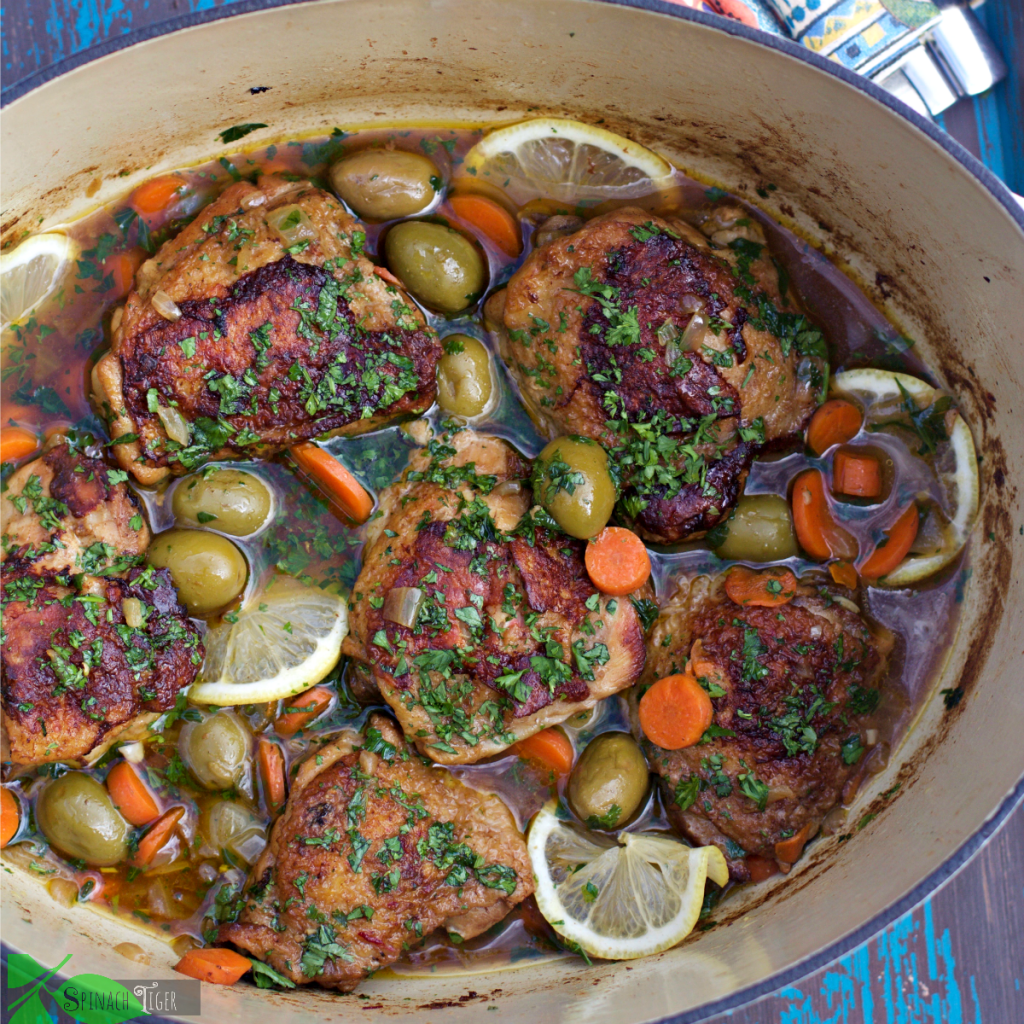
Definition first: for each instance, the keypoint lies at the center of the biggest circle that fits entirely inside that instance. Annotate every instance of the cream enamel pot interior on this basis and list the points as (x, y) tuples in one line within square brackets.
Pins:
[(932, 237)]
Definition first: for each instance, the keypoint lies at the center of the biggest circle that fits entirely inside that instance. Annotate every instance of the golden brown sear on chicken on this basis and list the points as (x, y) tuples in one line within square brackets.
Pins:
[(683, 356), (375, 850), (67, 512), (85, 666), (793, 689), (263, 323), (475, 619)]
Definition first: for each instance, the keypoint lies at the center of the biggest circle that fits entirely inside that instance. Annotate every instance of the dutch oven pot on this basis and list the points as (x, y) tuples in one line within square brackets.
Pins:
[(931, 236)]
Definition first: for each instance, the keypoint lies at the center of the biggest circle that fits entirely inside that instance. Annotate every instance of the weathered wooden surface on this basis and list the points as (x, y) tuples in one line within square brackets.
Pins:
[(959, 957)]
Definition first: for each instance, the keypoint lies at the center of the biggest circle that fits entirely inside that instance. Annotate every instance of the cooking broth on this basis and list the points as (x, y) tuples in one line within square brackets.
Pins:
[(45, 386)]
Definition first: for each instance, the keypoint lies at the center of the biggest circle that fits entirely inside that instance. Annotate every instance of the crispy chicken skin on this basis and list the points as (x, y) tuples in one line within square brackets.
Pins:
[(794, 686), (594, 330), (65, 511), (375, 849), (274, 345), (510, 636), (75, 675)]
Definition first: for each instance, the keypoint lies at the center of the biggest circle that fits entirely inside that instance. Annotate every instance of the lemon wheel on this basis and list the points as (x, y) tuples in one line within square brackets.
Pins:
[(285, 640), (32, 272), (956, 462), (567, 161), (618, 897)]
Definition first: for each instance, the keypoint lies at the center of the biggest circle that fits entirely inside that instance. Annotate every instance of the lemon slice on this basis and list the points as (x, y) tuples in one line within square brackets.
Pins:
[(566, 161), (956, 462), (31, 272), (286, 640), (621, 897)]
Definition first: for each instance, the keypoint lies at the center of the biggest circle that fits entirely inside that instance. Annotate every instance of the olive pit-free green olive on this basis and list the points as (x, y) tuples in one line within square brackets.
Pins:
[(208, 570), (77, 816), (216, 750), (759, 530), (383, 184), (463, 376), (441, 267), (229, 500), (572, 481), (230, 825), (609, 781)]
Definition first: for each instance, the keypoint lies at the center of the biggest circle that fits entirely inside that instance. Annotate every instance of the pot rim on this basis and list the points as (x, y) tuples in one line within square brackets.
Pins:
[(995, 187)]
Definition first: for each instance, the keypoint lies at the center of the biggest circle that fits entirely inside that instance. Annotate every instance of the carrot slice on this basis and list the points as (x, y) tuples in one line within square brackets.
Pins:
[(761, 868), (551, 748), (835, 422), (889, 552), (675, 712), (271, 759), (818, 533), (344, 490), (860, 476), (10, 816), (491, 219), (122, 266), (218, 966), (844, 574), (617, 561), (131, 795), (16, 443), (156, 838), (789, 850), (156, 195), (299, 711), (768, 589)]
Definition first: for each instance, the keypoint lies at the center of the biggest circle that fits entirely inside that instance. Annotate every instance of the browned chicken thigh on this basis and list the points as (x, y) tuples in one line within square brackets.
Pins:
[(66, 511), (84, 666), (375, 850), (478, 624), (683, 356), (263, 323), (793, 689)]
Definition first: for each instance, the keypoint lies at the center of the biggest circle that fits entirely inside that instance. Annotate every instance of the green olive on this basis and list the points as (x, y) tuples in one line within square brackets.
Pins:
[(609, 781), (216, 749), (442, 268), (572, 481), (463, 376), (382, 184), (228, 500), (77, 816), (759, 530), (229, 825), (208, 570)]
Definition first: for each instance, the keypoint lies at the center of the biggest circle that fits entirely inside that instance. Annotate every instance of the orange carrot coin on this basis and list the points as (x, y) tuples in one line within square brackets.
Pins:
[(16, 444), (10, 816), (896, 545), (789, 850), (156, 195), (818, 533), (617, 561), (219, 966), (157, 837), (338, 484), (298, 712), (551, 748), (675, 712), (131, 795), (844, 574), (857, 475), (769, 588), (271, 760), (491, 219), (835, 422)]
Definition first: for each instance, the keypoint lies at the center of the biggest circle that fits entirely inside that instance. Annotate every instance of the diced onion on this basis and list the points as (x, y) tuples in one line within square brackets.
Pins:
[(846, 603), (291, 224), (668, 333), (694, 334), (368, 762), (165, 305), (690, 303), (402, 605), (134, 751), (132, 608), (871, 736), (508, 487), (174, 423)]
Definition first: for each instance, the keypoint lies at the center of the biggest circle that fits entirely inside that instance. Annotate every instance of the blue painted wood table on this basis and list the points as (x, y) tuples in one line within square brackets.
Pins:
[(958, 958)]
